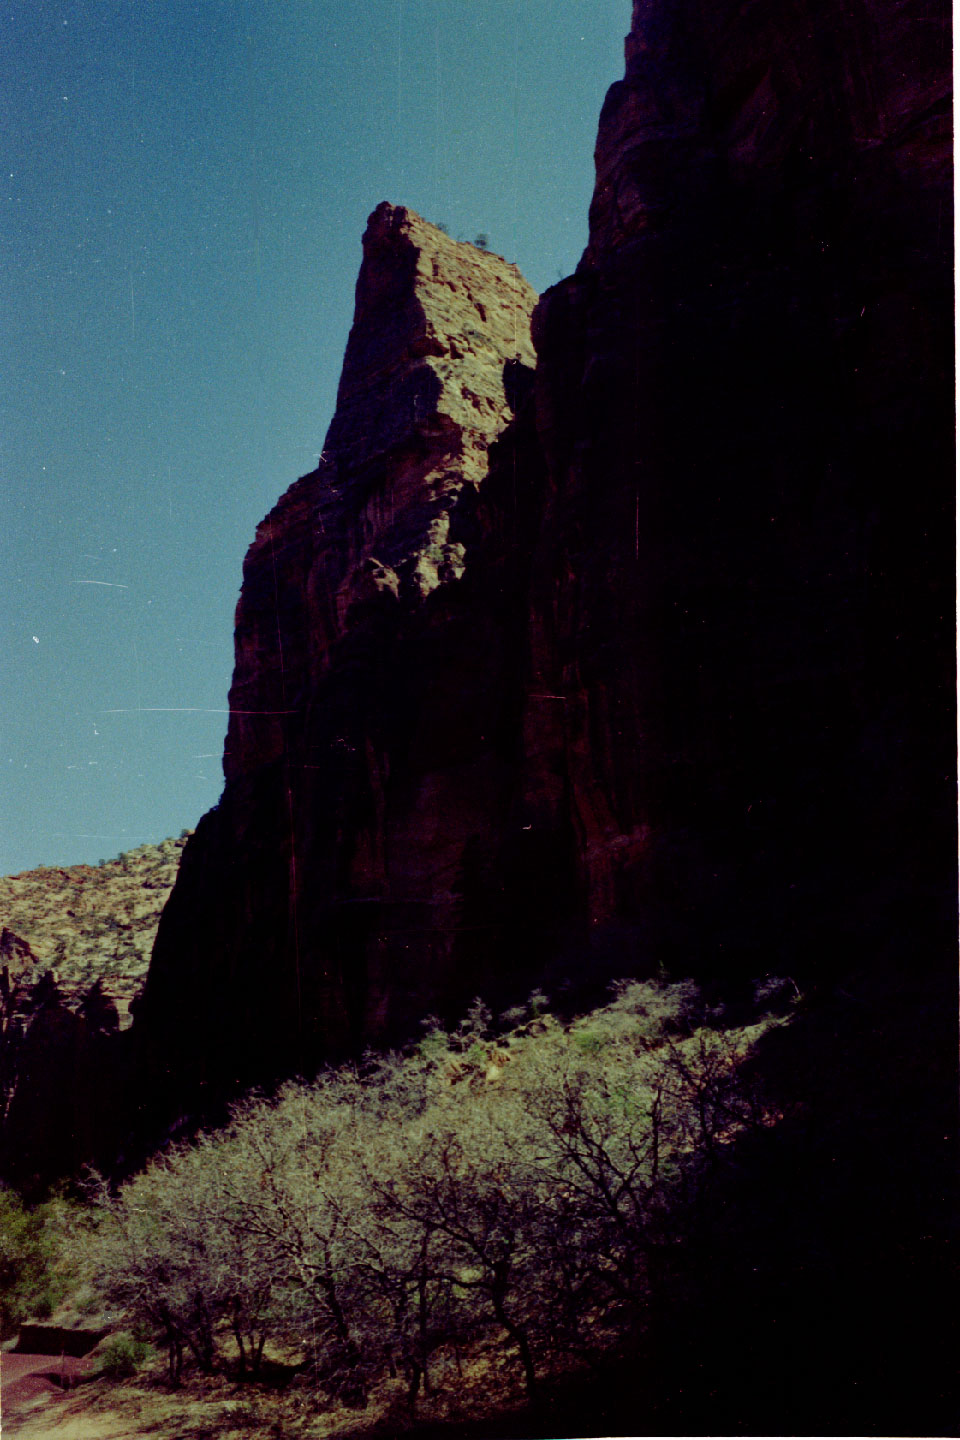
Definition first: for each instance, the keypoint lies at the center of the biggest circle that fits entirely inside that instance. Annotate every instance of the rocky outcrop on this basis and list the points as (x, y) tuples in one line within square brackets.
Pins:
[(38, 1338), (335, 894), (440, 338), (657, 671)]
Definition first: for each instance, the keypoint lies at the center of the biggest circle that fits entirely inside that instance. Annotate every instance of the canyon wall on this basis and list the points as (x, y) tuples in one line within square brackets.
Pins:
[(339, 892), (743, 587), (643, 660)]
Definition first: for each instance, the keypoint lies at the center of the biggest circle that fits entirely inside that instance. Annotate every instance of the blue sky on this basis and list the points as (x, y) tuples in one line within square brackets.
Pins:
[(183, 188)]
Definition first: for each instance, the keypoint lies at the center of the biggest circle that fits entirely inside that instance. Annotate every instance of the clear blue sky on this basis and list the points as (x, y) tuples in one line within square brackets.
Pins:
[(184, 188)]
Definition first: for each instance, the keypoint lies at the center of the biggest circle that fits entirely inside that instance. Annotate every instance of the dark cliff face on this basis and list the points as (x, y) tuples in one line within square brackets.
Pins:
[(659, 671), (743, 591), (744, 584)]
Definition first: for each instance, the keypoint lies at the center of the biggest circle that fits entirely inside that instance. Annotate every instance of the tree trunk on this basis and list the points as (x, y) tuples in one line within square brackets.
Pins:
[(242, 1371), (422, 1318), (516, 1332)]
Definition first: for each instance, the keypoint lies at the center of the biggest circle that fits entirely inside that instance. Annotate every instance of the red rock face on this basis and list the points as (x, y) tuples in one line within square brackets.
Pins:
[(334, 897), (658, 670), (439, 327)]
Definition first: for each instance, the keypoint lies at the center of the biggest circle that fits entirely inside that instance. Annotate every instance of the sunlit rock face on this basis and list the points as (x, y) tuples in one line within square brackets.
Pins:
[(653, 663), (333, 897), (439, 329)]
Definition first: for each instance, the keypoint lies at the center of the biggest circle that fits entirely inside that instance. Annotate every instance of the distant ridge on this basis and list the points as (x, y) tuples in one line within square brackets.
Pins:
[(75, 943), (89, 922)]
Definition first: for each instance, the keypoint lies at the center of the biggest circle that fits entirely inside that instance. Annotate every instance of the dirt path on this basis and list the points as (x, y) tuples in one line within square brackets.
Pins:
[(29, 1382), (35, 1407)]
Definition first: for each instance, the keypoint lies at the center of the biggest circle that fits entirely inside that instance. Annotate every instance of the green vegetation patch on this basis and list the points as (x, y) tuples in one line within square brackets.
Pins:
[(33, 1276), (516, 1194)]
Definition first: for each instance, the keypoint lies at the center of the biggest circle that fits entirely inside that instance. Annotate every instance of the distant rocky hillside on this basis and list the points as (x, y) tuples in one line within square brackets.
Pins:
[(75, 943), (87, 922)]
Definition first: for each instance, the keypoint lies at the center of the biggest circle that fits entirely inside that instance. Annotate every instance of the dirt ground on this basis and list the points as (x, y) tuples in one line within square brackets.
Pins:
[(35, 1407), (33, 1384)]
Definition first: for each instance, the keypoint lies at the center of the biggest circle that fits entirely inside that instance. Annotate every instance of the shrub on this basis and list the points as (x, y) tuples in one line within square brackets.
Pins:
[(32, 1279), (514, 1016), (380, 1217), (434, 1045), (122, 1355), (538, 1003)]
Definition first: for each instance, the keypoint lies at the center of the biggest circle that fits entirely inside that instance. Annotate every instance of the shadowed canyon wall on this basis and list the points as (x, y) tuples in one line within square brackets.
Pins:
[(645, 660), (744, 579)]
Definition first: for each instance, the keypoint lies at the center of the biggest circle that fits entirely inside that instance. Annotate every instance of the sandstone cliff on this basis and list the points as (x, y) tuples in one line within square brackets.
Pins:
[(335, 894), (660, 670), (743, 589)]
